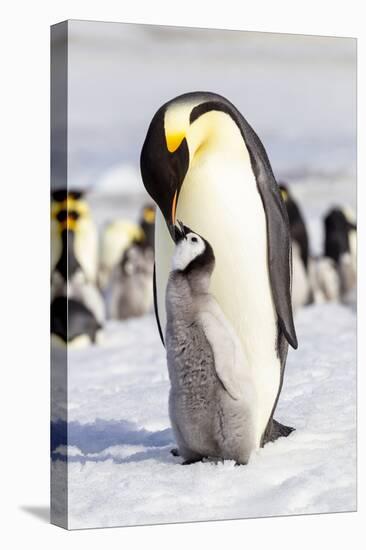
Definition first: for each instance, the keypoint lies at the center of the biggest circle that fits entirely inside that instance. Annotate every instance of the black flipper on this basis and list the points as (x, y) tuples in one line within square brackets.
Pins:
[(279, 247), (276, 430), (156, 307)]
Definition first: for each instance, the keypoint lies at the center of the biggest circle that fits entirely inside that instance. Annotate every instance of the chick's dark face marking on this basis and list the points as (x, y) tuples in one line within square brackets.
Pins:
[(192, 252)]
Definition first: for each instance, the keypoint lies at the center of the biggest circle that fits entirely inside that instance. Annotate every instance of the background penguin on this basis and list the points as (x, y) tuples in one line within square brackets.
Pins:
[(72, 322), (132, 283), (116, 238), (74, 253), (297, 224), (127, 264), (203, 163), (301, 288), (324, 280), (340, 246), (352, 233), (212, 392)]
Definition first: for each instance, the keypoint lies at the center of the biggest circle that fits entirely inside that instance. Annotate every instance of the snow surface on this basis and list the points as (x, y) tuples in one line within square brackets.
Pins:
[(120, 468)]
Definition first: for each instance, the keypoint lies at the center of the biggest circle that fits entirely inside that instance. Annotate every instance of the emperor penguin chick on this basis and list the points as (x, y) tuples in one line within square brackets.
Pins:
[(212, 399)]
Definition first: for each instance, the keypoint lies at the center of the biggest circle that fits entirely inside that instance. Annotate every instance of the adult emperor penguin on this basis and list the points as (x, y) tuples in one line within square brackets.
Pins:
[(297, 224), (117, 237), (74, 237), (212, 396), (201, 162), (77, 308), (147, 224), (131, 291)]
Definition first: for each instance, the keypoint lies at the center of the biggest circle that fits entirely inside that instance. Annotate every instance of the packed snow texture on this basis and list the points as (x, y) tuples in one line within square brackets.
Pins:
[(121, 471)]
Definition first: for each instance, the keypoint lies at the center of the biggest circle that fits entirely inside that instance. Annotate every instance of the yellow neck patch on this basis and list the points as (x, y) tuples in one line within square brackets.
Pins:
[(149, 215), (78, 205), (284, 195), (68, 224), (176, 124), (69, 205), (173, 140)]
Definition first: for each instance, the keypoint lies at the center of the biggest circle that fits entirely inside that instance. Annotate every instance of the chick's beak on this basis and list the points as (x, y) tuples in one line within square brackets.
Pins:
[(177, 231)]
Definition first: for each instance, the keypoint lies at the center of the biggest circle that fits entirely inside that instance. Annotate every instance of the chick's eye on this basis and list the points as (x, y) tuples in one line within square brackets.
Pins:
[(194, 240)]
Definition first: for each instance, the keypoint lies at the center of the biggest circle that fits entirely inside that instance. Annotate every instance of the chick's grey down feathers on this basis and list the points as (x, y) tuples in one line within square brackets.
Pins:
[(206, 419)]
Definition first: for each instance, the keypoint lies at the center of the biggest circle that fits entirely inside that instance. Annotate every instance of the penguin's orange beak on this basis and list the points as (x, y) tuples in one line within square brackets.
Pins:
[(174, 207), (173, 214)]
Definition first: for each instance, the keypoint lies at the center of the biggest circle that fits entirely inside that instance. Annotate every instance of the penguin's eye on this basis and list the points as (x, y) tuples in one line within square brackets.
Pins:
[(194, 240)]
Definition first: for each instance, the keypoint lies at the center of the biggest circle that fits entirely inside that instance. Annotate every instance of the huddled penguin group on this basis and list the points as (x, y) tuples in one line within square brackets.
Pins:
[(331, 276), (127, 264), (83, 267)]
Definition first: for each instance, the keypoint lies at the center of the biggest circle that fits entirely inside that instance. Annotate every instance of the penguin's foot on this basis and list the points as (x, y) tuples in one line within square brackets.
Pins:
[(191, 461), (194, 460), (174, 451), (278, 430), (282, 430)]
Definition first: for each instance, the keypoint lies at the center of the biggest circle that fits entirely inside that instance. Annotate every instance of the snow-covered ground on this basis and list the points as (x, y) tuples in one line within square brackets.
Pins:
[(120, 468)]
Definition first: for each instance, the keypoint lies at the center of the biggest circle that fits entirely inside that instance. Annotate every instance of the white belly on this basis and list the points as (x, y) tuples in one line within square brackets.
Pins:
[(219, 200), (353, 249)]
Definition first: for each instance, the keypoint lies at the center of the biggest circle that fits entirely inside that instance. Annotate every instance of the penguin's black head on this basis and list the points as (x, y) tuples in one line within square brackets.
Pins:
[(192, 252), (163, 167), (147, 224), (60, 195), (174, 137)]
